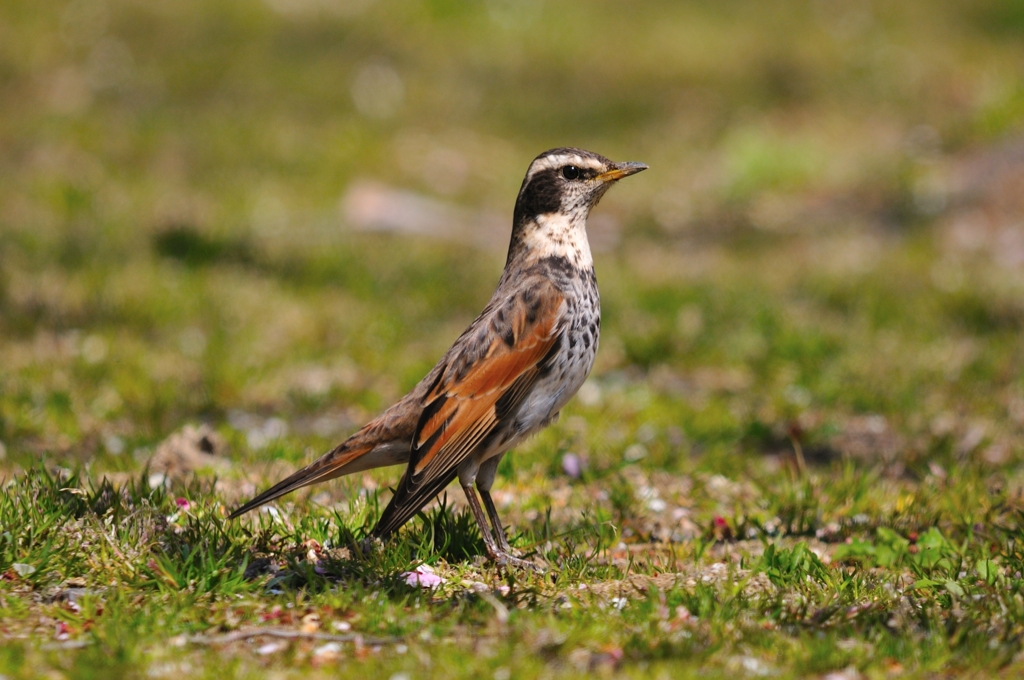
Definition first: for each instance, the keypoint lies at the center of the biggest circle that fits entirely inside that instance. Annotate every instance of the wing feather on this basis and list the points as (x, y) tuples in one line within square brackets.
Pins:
[(470, 399)]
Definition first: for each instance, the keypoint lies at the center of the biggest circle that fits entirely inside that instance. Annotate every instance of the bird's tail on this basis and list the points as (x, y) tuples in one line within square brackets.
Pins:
[(347, 458)]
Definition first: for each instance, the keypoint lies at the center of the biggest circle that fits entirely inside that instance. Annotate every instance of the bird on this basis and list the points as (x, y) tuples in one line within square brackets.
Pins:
[(510, 372)]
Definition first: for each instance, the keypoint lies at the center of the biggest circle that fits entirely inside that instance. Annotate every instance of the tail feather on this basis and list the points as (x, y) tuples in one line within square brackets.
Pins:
[(386, 440), (303, 477), (343, 460), (322, 469)]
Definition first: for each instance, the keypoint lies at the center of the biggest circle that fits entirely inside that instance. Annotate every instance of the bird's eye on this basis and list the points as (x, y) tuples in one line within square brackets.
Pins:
[(571, 172)]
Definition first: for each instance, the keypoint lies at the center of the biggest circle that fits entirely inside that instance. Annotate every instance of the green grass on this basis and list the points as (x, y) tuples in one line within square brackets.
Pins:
[(801, 449), (135, 580)]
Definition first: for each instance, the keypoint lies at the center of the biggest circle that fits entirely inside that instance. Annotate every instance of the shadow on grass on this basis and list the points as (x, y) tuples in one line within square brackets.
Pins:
[(323, 550), (192, 248)]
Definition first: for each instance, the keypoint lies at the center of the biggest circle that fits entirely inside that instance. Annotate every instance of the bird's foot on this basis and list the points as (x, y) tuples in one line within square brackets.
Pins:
[(503, 546), (504, 560)]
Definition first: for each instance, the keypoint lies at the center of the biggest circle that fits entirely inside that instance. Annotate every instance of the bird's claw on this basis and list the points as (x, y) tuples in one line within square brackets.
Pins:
[(504, 560)]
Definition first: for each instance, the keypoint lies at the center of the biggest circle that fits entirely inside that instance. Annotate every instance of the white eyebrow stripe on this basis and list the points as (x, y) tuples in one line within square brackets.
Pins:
[(559, 160)]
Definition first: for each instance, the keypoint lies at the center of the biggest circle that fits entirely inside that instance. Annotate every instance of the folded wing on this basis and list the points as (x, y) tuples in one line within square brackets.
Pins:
[(476, 393)]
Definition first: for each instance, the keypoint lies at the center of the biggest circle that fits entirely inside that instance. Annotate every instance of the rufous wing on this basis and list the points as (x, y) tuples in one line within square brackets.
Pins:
[(469, 402)]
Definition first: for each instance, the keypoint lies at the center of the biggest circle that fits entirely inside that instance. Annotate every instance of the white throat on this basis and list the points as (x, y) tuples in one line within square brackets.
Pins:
[(560, 235)]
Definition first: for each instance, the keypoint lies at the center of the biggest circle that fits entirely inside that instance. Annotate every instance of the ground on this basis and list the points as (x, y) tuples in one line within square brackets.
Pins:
[(231, 232)]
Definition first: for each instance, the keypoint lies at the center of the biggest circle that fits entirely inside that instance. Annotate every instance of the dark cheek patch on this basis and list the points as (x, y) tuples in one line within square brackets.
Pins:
[(542, 195)]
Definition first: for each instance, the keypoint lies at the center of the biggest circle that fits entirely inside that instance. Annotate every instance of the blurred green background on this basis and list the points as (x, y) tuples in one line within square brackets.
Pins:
[(271, 217), (275, 216)]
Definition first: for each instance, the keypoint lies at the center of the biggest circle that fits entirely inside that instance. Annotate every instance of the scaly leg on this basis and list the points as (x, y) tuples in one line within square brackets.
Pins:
[(500, 555), (492, 512), (484, 481)]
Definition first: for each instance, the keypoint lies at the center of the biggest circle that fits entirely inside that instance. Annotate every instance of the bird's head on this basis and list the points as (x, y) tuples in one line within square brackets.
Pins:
[(568, 181), (560, 188)]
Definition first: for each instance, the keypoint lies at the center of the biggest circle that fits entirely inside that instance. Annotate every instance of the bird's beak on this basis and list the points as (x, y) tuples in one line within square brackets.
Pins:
[(620, 170)]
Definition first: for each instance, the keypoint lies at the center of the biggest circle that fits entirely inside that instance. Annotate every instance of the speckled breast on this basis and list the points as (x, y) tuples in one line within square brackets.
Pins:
[(570, 367)]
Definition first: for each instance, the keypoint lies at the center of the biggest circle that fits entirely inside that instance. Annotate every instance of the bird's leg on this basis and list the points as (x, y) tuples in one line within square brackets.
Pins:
[(492, 512), (478, 514), (499, 555), (484, 481)]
